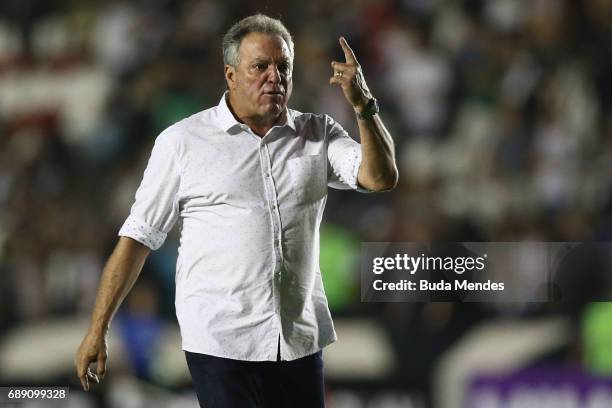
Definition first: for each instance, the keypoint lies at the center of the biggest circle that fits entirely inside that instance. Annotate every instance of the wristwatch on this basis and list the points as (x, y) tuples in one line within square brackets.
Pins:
[(370, 110)]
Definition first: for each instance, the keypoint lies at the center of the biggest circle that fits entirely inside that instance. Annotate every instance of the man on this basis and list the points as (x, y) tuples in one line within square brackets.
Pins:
[(248, 180)]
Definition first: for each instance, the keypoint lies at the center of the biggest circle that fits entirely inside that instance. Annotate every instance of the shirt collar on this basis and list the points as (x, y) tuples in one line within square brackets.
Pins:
[(226, 119)]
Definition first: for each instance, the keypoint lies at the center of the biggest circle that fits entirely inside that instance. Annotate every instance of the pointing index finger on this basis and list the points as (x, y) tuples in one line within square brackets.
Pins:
[(349, 55)]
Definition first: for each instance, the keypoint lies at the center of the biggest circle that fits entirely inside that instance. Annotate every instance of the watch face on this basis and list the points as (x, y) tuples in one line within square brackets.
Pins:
[(370, 110), (375, 105)]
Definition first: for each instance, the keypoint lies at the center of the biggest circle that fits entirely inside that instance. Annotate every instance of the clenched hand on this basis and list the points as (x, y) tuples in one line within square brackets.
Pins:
[(93, 349)]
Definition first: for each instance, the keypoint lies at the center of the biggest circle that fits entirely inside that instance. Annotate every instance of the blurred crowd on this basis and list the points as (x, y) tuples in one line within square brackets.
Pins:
[(500, 110)]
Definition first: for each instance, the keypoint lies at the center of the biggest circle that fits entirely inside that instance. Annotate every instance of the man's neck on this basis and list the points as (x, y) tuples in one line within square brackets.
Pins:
[(260, 125)]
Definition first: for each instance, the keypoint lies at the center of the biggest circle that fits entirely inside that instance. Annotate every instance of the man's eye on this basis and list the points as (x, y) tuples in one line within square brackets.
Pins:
[(260, 67), (283, 68)]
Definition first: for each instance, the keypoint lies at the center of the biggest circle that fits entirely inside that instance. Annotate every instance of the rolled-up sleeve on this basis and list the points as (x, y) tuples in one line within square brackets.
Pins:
[(344, 156), (156, 207)]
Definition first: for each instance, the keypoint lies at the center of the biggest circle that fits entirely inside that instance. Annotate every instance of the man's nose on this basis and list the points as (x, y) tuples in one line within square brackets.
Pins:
[(274, 75)]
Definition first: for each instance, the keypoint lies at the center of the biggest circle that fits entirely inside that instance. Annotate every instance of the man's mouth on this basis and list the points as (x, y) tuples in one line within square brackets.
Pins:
[(274, 93)]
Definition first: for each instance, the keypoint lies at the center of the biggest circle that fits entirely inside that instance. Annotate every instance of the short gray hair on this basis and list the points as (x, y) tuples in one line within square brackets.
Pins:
[(257, 23)]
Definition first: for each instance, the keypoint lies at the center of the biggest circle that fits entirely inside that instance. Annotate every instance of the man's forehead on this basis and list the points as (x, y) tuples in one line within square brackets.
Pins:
[(261, 45)]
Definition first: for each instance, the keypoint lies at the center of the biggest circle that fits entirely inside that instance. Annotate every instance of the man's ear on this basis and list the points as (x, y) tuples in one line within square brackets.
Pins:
[(230, 76)]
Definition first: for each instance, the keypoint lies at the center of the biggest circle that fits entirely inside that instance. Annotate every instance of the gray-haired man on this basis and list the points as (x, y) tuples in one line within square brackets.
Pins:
[(248, 181)]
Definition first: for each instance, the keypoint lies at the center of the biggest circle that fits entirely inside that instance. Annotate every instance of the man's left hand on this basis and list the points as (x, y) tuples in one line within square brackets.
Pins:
[(350, 78)]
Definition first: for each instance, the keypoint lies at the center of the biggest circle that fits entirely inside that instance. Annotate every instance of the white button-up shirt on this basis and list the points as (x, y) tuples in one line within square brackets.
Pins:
[(249, 209)]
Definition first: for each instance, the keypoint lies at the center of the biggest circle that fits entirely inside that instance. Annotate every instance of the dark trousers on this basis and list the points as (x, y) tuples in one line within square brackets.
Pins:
[(225, 383)]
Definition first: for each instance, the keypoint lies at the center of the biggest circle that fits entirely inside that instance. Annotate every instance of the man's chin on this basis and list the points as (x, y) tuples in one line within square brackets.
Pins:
[(274, 109)]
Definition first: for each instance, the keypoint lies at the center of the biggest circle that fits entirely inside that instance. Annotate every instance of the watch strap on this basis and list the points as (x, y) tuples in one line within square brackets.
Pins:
[(370, 110)]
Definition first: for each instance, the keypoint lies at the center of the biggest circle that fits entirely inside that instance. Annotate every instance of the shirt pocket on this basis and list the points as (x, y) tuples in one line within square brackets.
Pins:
[(308, 177)]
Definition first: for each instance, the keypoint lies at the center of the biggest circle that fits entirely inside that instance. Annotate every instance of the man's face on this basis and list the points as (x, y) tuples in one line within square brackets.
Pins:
[(261, 84)]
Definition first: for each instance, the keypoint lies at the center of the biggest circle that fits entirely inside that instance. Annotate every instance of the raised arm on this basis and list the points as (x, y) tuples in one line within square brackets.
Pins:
[(378, 170), (118, 277)]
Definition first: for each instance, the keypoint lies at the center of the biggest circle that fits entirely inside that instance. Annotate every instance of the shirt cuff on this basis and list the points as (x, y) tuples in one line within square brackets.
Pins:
[(357, 162), (142, 232)]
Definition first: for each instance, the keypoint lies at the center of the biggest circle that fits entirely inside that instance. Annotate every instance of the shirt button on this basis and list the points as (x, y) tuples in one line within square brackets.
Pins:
[(274, 206)]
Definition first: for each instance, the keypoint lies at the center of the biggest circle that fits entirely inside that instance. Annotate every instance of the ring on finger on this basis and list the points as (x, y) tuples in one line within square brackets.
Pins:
[(339, 74)]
